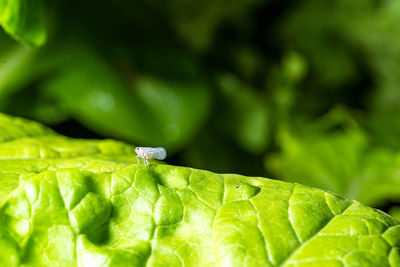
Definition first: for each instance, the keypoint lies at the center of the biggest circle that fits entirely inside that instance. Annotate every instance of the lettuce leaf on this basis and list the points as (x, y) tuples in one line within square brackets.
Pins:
[(71, 202)]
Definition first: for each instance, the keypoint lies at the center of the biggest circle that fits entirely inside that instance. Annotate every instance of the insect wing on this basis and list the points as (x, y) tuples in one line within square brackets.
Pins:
[(155, 152)]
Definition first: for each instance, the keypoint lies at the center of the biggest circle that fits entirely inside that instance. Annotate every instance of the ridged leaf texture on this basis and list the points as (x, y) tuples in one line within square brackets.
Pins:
[(73, 202)]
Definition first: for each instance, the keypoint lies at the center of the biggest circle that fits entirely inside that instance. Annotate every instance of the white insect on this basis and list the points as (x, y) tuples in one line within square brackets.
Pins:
[(150, 153)]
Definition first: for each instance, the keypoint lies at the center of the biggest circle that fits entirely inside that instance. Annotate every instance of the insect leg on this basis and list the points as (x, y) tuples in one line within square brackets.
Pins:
[(146, 161), (138, 159)]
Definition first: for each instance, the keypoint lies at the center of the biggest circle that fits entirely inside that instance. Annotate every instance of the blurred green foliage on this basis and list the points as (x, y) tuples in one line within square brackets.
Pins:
[(24, 19), (301, 91)]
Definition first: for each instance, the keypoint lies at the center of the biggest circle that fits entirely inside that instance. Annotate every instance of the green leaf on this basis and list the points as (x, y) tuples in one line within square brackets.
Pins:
[(246, 114), (16, 71), (343, 161), (333, 159), (142, 109), (68, 202), (197, 23), (24, 20)]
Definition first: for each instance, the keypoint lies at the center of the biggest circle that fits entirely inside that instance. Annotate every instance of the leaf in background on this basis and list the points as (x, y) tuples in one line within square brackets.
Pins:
[(197, 22), (179, 108), (31, 103), (15, 71), (248, 62), (328, 161), (212, 150), (246, 114), (20, 69), (24, 20), (384, 123), (380, 42), (322, 43), (92, 207), (143, 109), (378, 181), (342, 161), (353, 59)]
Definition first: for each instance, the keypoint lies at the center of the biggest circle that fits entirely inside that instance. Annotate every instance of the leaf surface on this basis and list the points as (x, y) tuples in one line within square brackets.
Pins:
[(70, 202)]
